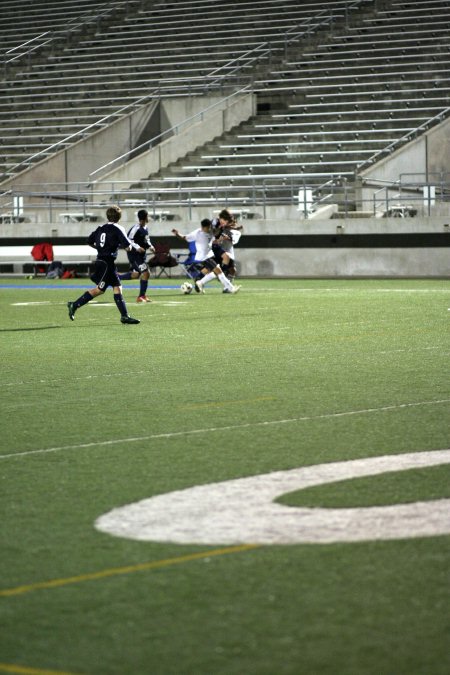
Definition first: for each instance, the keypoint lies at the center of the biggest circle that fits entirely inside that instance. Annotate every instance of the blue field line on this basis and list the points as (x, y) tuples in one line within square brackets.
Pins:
[(64, 287)]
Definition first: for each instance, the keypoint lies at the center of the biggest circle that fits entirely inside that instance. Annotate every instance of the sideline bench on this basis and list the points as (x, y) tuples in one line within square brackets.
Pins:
[(18, 258)]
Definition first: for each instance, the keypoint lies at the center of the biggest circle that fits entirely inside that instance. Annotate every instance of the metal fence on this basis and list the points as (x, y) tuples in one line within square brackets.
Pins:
[(335, 196)]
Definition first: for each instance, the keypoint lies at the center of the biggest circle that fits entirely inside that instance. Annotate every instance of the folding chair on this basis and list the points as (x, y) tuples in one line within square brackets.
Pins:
[(186, 260), (162, 259)]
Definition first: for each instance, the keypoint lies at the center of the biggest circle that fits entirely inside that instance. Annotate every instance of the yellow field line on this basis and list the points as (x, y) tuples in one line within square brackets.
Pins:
[(129, 569), (22, 670)]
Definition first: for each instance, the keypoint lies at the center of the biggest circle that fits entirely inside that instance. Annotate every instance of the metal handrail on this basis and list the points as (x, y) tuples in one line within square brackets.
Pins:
[(154, 94), (404, 139), (9, 51), (158, 195), (82, 132), (168, 132), (77, 22)]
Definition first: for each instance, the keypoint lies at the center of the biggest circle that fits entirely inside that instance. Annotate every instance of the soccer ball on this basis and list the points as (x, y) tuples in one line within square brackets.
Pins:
[(186, 288)]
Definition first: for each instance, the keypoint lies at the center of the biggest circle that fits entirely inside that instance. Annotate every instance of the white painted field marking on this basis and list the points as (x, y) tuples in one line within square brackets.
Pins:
[(37, 302), (243, 511), (231, 427), (345, 290)]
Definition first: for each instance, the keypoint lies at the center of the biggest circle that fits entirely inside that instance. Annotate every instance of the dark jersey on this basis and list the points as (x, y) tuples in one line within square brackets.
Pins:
[(107, 239), (140, 236)]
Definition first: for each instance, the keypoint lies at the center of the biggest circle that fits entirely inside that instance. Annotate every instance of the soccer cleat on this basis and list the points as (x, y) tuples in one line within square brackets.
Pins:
[(71, 309), (235, 289), (143, 298), (226, 290), (198, 288), (128, 319)]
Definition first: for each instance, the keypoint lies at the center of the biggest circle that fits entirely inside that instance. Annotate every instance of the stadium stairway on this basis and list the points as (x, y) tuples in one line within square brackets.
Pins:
[(331, 109), (334, 89), (75, 64)]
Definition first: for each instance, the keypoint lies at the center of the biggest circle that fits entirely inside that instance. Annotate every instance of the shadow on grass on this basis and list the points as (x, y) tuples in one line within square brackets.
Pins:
[(15, 330)]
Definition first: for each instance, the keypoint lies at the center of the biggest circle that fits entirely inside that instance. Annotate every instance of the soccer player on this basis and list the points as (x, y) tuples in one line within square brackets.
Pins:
[(107, 239), (226, 236), (204, 257), (138, 267)]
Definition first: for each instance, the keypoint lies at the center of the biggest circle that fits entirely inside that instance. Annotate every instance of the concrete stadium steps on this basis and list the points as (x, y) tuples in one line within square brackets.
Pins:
[(326, 102), (339, 109), (142, 46)]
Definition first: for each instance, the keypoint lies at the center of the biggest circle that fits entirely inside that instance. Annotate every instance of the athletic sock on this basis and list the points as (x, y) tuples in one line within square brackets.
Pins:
[(224, 281), (126, 276), (82, 300), (120, 302), (206, 278), (143, 286)]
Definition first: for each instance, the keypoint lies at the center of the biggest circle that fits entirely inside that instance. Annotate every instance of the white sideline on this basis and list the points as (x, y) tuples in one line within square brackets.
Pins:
[(232, 427)]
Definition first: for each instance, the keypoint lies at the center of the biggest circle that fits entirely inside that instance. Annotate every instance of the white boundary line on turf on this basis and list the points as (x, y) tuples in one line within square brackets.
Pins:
[(232, 427), (346, 289)]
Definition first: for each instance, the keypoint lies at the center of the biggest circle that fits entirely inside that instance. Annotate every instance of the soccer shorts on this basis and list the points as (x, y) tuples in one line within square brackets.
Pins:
[(209, 264), (137, 262), (105, 274)]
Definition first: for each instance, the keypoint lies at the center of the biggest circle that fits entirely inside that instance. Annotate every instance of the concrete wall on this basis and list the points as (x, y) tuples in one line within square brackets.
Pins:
[(339, 261), (331, 261), (344, 262), (220, 116), (80, 159), (427, 155)]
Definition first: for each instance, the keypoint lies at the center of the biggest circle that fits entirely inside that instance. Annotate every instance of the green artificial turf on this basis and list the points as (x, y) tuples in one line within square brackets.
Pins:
[(209, 388)]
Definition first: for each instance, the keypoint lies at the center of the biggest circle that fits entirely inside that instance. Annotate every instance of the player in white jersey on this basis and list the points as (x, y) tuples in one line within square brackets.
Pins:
[(204, 257)]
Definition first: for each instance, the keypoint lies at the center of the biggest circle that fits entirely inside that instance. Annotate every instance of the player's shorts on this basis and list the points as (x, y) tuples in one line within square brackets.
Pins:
[(105, 274), (137, 262), (218, 251), (209, 264)]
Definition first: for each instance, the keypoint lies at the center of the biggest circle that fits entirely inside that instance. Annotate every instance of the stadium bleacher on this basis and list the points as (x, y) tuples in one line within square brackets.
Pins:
[(341, 102), (337, 82), (107, 54)]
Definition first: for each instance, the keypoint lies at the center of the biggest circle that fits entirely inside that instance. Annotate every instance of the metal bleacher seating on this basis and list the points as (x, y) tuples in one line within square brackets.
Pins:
[(337, 82), (337, 105), (81, 62)]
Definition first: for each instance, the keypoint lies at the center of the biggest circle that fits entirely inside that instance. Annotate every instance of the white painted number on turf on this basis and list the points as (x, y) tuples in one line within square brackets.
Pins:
[(243, 511)]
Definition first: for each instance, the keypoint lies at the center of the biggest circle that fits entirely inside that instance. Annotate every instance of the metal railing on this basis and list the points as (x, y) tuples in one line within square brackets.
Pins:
[(218, 75), (212, 81), (48, 202), (411, 194), (174, 130), (389, 149), (51, 37)]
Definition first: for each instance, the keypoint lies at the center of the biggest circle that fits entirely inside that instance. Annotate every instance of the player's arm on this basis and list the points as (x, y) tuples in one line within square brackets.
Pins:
[(142, 238), (92, 239), (132, 246), (178, 235), (147, 244), (126, 243)]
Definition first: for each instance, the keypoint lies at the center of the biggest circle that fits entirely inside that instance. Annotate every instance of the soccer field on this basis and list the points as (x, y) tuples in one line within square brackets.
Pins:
[(287, 547)]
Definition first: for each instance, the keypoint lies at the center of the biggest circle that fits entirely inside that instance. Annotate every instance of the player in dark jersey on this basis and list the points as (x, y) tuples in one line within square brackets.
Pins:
[(138, 267), (226, 233), (107, 239)]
